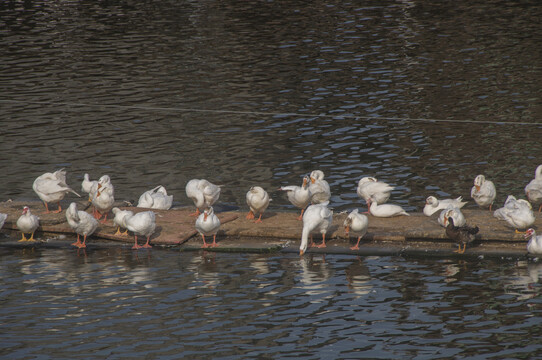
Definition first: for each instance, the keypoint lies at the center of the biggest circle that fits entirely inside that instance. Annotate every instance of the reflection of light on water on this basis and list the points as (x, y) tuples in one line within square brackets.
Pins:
[(205, 275), (358, 278), (314, 275), (525, 284)]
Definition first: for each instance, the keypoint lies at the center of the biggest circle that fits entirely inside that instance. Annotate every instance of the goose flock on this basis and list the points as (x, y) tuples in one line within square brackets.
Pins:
[(311, 197)]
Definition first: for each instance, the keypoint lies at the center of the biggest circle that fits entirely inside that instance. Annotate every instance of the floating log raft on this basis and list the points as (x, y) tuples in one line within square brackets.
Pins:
[(416, 235)]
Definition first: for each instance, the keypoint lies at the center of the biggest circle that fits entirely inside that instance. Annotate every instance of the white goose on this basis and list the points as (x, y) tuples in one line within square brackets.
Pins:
[(258, 201), (3, 218), (203, 193), (82, 223), (432, 204), (52, 187), (299, 196), (385, 210), (119, 221), (156, 198), (534, 246), (89, 186), (28, 224), (208, 224), (319, 188), (103, 199), (517, 213), (317, 217), (357, 223), (369, 188), (483, 192), (455, 214), (533, 190), (142, 223)]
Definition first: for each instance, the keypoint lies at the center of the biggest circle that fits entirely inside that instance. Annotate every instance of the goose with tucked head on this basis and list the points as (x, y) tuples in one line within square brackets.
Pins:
[(299, 196)]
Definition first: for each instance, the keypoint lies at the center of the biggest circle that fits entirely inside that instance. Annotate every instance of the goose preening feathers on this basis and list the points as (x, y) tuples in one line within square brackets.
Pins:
[(533, 190), (357, 223), (299, 196), (156, 198), (319, 188), (370, 189), (203, 193), (317, 217), (432, 204), (52, 187), (257, 200)]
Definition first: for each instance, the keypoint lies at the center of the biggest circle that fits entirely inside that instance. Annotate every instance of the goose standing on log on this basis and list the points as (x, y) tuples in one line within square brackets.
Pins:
[(370, 189), (258, 201), (208, 224), (27, 224), (143, 224), (454, 213), (319, 188), (299, 196), (462, 235), (203, 193), (483, 192), (104, 198), (517, 213), (432, 204), (156, 198), (317, 217), (357, 223), (533, 190), (534, 246), (89, 186), (52, 187), (119, 221), (82, 223)]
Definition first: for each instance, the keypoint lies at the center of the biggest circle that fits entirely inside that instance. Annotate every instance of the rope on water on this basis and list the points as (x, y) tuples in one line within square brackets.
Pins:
[(261, 113)]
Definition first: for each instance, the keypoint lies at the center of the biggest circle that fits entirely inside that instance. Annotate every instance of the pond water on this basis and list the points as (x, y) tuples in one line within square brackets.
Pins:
[(249, 93), (424, 95), (118, 304)]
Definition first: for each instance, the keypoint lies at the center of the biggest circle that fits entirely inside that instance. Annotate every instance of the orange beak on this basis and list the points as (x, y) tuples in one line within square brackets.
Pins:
[(205, 216), (301, 252), (313, 180), (477, 187)]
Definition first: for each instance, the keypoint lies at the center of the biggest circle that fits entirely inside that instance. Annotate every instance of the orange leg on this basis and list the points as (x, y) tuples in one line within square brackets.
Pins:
[(356, 247), (197, 213), (205, 245), (46, 208), (59, 209), (147, 245), (312, 242), (84, 244), (323, 244), (259, 220), (78, 242), (250, 215), (136, 246), (301, 216), (214, 244)]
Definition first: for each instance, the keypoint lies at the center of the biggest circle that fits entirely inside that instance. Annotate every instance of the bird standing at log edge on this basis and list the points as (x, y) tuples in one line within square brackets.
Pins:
[(357, 223), (299, 196), (483, 192), (317, 217), (208, 224), (52, 187), (257, 200), (534, 246), (533, 190), (462, 235), (27, 224), (82, 223)]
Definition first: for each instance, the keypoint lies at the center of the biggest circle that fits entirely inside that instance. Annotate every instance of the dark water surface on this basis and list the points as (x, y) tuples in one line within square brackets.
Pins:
[(106, 87), (260, 93), (116, 304)]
